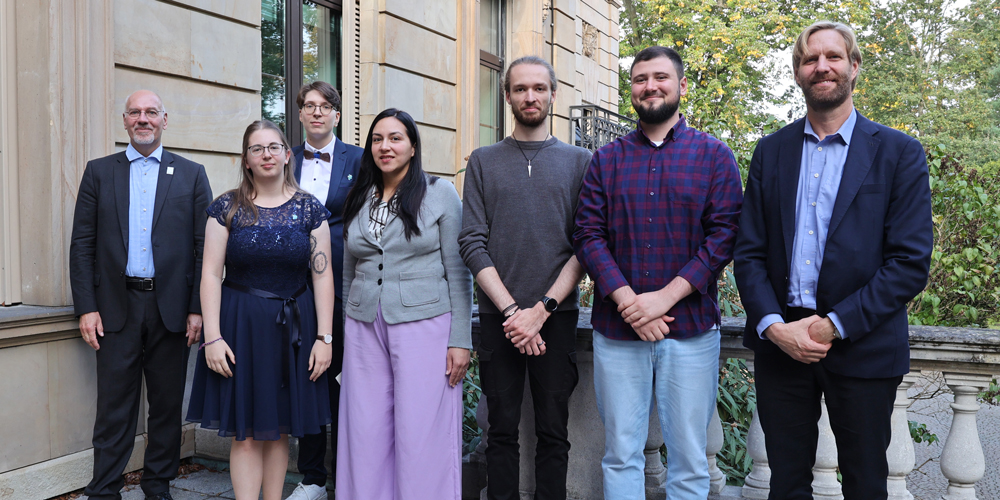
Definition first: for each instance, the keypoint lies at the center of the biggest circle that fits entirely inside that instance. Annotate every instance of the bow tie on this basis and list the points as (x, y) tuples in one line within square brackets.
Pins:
[(310, 155)]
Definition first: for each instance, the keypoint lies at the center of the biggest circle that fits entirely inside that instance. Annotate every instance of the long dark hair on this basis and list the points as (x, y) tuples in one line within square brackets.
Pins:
[(411, 190), (245, 193)]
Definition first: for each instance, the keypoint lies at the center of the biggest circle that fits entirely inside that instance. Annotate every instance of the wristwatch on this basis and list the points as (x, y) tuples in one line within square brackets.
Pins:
[(836, 332), (327, 339), (550, 304)]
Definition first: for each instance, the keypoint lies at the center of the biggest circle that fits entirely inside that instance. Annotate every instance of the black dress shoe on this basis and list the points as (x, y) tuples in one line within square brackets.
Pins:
[(161, 496)]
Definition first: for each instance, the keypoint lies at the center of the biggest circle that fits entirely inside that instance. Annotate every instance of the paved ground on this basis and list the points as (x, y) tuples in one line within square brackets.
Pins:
[(210, 483), (925, 483)]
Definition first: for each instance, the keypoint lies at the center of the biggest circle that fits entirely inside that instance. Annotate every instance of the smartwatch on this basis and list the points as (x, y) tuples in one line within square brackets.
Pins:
[(327, 339), (550, 304)]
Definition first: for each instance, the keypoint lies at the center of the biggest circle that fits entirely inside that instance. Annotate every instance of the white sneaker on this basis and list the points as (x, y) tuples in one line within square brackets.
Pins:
[(308, 492)]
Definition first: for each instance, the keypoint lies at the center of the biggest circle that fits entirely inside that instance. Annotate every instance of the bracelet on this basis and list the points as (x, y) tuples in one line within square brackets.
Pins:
[(202, 346), (511, 309)]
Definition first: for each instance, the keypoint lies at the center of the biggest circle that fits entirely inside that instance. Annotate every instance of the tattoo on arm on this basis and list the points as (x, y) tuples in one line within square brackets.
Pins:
[(319, 261)]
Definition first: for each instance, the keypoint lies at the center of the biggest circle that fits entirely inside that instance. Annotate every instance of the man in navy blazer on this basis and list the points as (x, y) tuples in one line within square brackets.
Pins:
[(327, 168), (835, 239), (135, 268)]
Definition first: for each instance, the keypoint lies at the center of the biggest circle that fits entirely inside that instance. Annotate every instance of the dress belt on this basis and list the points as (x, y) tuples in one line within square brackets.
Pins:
[(288, 318)]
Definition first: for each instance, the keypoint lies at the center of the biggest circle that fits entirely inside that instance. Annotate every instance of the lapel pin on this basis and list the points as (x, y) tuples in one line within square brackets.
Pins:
[(170, 170), (350, 177)]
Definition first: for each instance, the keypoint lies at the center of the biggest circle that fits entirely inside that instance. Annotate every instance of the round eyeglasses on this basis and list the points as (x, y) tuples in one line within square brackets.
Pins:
[(257, 150), (323, 110)]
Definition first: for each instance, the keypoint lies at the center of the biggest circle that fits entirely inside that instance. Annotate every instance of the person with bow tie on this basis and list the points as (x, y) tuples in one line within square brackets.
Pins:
[(326, 168)]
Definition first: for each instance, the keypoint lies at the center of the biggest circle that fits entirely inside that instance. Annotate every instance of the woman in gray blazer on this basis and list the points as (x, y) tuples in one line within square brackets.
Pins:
[(407, 334)]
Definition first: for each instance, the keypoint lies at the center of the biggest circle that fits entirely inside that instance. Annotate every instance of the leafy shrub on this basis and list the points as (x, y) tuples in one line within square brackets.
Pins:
[(964, 286)]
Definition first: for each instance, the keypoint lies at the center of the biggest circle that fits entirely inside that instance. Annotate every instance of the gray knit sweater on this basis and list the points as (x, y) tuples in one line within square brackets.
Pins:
[(522, 225)]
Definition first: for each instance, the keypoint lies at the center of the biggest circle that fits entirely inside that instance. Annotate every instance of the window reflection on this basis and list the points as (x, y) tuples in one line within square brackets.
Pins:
[(272, 61)]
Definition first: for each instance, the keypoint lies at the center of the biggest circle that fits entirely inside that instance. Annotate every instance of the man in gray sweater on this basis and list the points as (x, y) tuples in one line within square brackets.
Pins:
[(519, 202)]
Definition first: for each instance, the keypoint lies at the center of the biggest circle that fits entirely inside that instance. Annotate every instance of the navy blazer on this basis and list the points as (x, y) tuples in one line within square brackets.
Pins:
[(345, 163), (98, 251), (878, 248)]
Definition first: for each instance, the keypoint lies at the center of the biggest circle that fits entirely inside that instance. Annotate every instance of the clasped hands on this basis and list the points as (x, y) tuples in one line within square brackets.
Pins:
[(523, 327), (646, 312), (806, 340)]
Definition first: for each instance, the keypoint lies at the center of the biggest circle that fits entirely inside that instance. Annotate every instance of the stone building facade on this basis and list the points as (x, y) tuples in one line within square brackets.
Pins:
[(66, 67)]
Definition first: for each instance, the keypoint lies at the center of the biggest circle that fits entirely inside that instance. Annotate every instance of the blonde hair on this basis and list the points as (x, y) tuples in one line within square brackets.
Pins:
[(801, 48)]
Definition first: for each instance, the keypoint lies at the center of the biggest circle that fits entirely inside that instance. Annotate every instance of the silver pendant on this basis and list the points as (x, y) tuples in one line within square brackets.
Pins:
[(529, 168)]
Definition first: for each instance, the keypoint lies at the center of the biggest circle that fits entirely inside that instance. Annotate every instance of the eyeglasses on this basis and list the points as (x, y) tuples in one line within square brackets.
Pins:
[(323, 110), (257, 150), (136, 113)]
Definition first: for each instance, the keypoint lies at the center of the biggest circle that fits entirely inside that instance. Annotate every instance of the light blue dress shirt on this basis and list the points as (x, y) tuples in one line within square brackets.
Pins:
[(820, 173), (142, 174)]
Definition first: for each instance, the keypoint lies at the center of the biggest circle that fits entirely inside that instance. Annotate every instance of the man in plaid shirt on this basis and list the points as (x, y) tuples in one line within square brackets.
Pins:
[(656, 225)]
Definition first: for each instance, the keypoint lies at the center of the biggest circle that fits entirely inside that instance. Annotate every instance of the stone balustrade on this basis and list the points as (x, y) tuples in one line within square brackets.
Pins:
[(968, 359)]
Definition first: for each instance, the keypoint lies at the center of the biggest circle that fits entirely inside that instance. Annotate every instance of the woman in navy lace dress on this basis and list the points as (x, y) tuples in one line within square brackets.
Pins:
[(261, 373)]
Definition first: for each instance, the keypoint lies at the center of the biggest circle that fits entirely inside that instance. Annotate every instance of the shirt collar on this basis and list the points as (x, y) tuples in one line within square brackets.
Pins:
[(671, 134), (326, 149), (132, 154), (846, 131)]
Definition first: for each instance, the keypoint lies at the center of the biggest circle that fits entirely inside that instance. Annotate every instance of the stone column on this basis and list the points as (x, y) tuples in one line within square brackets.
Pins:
[(712, 448), (656, 474), (962, 460), (757, 484), (900, 454), (825, 483)]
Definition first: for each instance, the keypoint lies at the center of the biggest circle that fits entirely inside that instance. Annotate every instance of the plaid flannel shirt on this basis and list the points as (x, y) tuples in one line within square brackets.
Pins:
[(649, 213)]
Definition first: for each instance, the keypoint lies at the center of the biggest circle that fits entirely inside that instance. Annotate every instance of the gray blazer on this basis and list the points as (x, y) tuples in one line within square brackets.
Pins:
[(414, 280)]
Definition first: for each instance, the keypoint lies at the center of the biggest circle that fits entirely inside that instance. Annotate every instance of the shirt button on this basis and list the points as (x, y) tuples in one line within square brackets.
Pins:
[(143, 249), (143, 190), (647, 273), (815, 175), (819, 148), (807, 262), (380, 282), (651, 193), (144, 210), (650, 219), (380, 251), (810, 232), (648, 245), (144, 230), (805, 292), (814, 203), (654, 169), (380, 267)]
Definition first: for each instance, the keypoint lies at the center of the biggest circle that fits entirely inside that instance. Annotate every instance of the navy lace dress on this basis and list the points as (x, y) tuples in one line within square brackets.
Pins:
[(267, 268)]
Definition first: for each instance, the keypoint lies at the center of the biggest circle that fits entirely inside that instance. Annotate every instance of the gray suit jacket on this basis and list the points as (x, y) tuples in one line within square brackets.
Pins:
[(413, 280)]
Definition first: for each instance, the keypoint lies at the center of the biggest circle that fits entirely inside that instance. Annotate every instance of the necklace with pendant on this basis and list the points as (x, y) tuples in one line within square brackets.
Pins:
[(532, 156)]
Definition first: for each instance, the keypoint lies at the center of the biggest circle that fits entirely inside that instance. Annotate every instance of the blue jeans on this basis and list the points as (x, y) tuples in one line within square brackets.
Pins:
[(682, 377)]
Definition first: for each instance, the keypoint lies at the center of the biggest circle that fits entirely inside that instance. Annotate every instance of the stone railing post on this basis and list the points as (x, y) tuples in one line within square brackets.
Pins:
[(825, 483), (962, 460), (712, 448), (900, 455), (757, 484), (656, 474)]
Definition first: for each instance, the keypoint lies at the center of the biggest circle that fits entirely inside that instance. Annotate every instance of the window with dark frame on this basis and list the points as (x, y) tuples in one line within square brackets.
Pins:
[(292, 57), (491, 61)]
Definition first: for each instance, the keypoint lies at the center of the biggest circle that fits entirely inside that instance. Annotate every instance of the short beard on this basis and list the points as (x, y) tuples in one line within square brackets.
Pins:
[(829, 101), (657, 114), (136, 138), (528, 122)]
